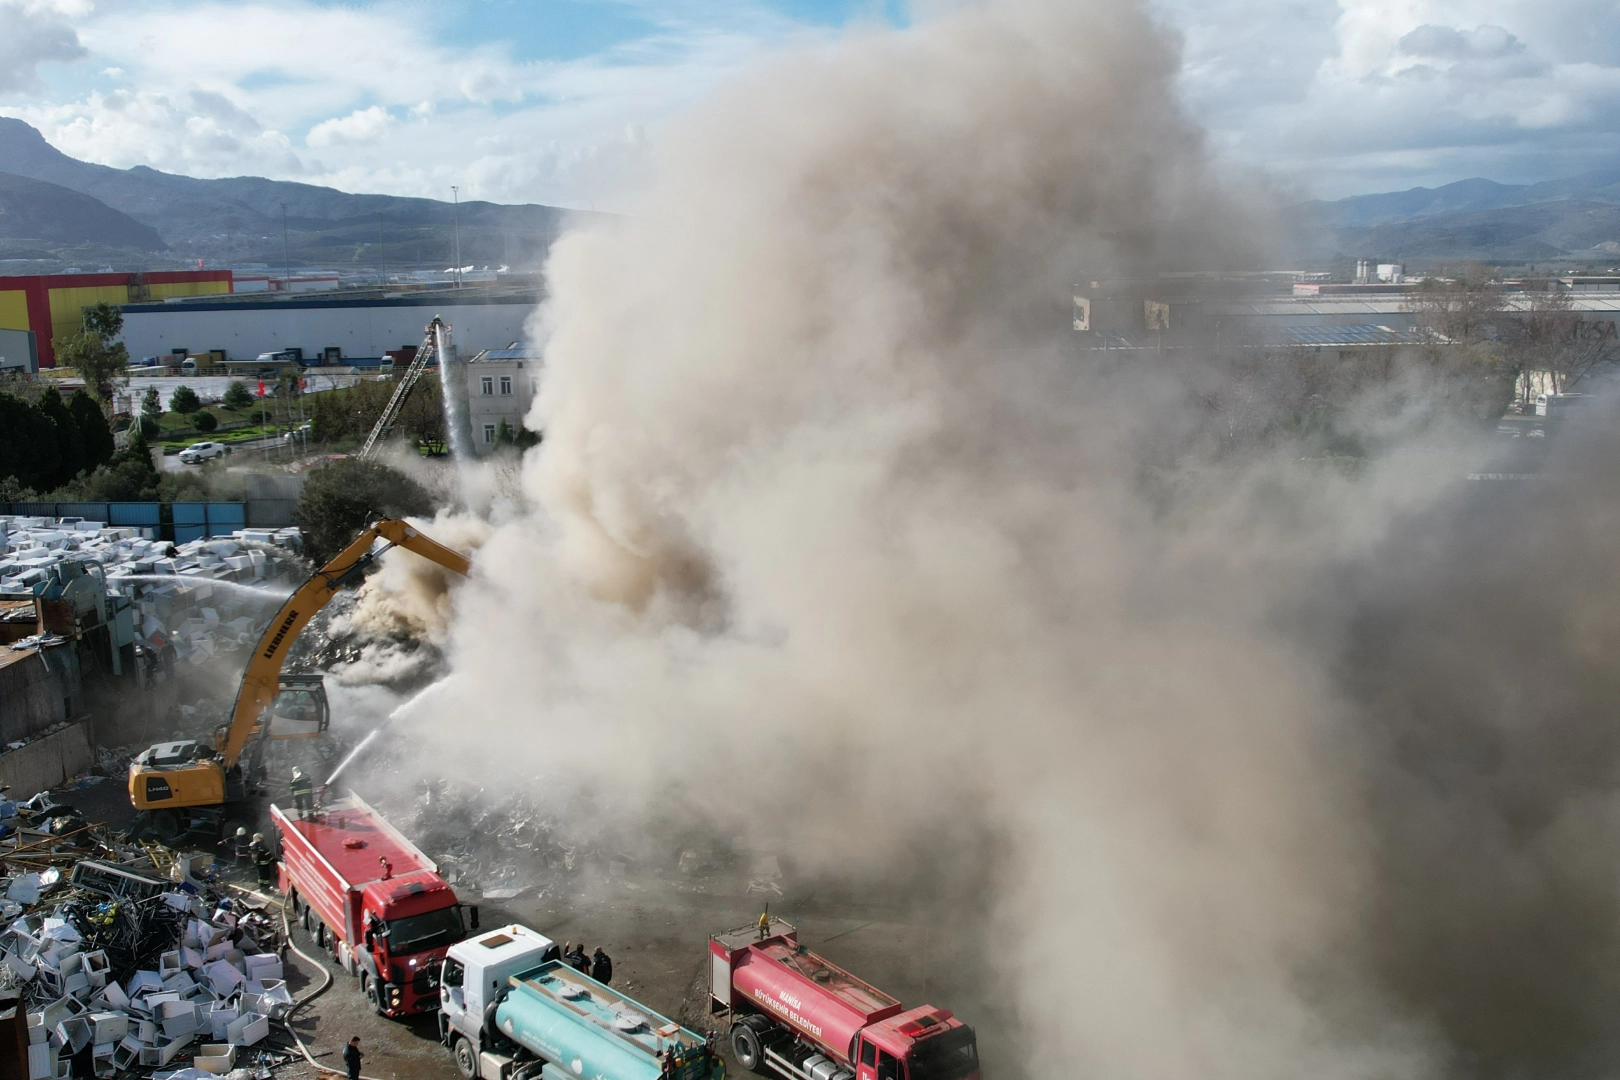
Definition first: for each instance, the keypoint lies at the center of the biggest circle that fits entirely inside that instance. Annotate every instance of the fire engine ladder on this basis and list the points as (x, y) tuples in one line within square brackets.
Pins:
[(396, 402)]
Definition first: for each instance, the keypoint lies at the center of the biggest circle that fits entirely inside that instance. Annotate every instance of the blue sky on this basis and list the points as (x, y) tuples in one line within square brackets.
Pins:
[(559, 101)]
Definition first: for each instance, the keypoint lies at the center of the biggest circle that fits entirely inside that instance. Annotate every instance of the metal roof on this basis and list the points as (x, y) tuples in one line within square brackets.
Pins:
[(1354, 335)]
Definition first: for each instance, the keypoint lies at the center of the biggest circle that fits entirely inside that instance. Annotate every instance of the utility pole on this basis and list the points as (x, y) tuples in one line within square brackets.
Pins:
[(382, 260), (286, 253), (455, 217)]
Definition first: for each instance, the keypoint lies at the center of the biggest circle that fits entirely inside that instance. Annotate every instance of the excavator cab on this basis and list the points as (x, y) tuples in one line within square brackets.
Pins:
[(300, 710)]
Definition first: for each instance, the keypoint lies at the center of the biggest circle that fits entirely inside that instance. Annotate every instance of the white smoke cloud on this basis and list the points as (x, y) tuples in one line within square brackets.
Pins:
[(836, 540)]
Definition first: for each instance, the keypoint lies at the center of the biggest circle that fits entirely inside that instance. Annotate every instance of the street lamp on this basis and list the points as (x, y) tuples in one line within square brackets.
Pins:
[(455, 217), (286, 253)]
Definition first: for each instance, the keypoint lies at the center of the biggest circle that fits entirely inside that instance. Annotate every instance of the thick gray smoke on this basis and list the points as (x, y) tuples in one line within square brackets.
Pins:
[(1219, 757)]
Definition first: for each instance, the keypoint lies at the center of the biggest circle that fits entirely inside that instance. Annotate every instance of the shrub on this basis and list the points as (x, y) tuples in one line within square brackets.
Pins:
[(344, 497), (184, 400), (238, 397), (205, 421)]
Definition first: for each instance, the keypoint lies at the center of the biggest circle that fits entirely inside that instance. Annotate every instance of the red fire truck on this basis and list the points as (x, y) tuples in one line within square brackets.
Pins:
[(806, 1018), (373, 900)]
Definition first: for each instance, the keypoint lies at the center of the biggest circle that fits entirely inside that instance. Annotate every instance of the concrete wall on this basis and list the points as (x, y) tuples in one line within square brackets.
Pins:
[(47, 761), (35, 691), (17, 351), (359, 328)]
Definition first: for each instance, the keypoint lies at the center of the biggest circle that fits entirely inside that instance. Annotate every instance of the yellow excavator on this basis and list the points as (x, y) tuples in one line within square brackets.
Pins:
[(186, 786)]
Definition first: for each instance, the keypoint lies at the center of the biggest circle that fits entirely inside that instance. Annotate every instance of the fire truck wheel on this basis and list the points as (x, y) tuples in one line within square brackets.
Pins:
[(368, 987), (320, 935), (165, 826), (466, 1058), (745, 1047)]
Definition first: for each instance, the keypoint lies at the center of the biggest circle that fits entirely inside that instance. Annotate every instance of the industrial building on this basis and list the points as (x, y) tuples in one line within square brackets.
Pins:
[(500, 388), (333, 326), (50, 306)]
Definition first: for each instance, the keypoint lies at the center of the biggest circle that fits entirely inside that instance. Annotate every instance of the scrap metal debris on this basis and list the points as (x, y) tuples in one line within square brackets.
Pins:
[(131, 960)]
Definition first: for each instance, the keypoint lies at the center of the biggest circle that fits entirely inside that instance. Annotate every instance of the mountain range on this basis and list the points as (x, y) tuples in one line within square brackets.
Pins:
[(1571, 220), (240, 219), (56, 207)]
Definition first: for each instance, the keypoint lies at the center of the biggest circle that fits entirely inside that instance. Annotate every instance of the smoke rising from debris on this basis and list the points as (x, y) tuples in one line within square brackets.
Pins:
[(1232, 764)]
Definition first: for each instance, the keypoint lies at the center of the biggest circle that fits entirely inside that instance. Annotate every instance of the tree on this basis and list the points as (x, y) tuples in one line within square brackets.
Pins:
[(205, 421), (65, 431), (1554, 347), (99, 359), (1464, 312), (151, 412), (344, 497), (129, 477), (184, 400), (238, 397), (503, 434), (27, 444), (94, 433)]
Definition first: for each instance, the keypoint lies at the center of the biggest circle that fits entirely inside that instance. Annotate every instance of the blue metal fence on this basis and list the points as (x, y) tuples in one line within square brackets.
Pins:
[(195, 520), (145, 515), (192, 520)]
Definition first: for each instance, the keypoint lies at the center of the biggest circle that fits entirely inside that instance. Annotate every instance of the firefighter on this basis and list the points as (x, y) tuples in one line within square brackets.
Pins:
[(239, 846), (264, 860), (303, 790), (578, 960), (601, 966)]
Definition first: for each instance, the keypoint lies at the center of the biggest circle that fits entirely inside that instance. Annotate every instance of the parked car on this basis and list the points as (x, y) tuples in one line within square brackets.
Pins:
[(197, 453)]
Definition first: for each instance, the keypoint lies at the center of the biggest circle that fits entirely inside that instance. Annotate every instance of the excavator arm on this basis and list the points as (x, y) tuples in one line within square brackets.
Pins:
[(262, 679)]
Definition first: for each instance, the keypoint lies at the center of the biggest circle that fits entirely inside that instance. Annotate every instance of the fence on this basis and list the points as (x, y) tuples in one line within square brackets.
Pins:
[(179, 522), (195, 520)]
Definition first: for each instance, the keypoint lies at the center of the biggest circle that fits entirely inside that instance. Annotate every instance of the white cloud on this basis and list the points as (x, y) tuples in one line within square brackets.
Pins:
[(33, 32), (1335, 95), (1392, 93), (360, 126)]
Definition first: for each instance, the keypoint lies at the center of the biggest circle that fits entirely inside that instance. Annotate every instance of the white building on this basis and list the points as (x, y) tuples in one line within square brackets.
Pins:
[(501, 384)]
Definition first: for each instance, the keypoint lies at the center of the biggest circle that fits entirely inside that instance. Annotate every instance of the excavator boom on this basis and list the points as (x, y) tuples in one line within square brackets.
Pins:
[(262, 679)]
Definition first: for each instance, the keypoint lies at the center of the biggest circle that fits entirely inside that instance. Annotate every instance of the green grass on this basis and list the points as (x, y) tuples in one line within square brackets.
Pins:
[(176, 431)]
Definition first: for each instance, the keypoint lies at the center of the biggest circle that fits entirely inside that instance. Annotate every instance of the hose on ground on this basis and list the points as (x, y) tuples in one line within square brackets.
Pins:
[(299, 1003)]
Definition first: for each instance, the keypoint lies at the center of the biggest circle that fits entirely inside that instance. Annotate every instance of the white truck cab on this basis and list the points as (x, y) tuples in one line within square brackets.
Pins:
[(476, 970)]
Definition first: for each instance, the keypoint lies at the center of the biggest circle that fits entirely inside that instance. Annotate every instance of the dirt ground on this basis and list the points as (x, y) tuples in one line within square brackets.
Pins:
[(654, 925)]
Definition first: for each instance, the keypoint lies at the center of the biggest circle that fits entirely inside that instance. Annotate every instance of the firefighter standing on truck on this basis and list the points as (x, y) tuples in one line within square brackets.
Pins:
[(303, 790)]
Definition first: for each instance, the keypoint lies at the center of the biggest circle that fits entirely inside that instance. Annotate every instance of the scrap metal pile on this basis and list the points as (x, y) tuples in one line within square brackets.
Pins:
[(130, 960), (201, 599)]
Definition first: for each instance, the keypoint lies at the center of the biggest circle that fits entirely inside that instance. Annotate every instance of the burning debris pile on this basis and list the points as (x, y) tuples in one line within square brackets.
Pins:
[(126, 960)]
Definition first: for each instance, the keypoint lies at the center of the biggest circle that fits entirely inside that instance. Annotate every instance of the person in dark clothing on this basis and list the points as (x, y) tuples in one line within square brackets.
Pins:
[(264, 860), (578, 960), (601, 966), (351, 1058), (303, 791)]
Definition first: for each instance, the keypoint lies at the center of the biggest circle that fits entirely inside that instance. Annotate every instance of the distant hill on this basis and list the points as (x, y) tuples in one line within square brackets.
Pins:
[(52, 214), (240, 218), (1576, 218)]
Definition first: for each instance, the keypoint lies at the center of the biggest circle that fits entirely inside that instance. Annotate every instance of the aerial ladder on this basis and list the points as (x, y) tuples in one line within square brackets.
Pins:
[(437, 331), (186, 785)]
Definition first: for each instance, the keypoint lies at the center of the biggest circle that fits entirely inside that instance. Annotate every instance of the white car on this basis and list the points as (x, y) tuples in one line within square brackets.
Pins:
[(197, 453)]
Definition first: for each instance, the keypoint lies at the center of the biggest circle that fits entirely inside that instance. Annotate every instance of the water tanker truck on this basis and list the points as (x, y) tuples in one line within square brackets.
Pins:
[(799, 1015), (370, 898), (511, 1009)]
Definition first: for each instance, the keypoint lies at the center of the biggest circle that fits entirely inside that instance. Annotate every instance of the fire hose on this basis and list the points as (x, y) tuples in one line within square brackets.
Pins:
[(299, 1003)]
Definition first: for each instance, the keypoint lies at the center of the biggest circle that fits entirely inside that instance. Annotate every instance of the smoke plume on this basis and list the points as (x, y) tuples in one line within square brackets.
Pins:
[(1225, 763)]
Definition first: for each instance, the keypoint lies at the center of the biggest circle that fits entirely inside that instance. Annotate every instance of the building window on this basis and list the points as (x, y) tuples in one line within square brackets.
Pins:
[(489, 432), (488, 384), (506, 385)]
